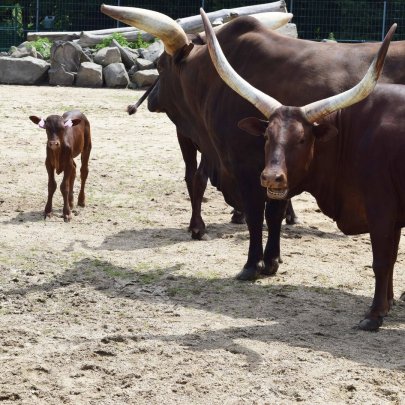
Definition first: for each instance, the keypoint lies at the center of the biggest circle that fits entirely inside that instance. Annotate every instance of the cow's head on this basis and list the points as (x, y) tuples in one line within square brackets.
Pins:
[(55, 127), (290, 132), (177, 46)]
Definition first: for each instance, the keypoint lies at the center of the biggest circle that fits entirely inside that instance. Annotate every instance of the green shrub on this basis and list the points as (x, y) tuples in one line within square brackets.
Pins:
[(43, 46), (138, 43)]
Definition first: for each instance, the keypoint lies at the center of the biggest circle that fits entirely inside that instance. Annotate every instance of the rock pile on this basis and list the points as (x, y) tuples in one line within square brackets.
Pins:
[(72, 65)]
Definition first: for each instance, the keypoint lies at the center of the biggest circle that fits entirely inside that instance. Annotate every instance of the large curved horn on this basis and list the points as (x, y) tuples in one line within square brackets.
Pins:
[(154, 23), (264, 103), (319, 109), (273, 19)]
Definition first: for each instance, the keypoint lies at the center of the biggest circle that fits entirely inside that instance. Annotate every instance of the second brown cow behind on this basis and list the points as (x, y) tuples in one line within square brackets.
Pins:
[(68, 137)]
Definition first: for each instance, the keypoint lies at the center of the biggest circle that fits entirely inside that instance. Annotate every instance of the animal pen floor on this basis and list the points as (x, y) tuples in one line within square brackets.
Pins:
[(120, 306)]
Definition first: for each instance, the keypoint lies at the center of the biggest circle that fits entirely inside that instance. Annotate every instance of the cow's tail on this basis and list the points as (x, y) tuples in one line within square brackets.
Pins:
[(133, 108)]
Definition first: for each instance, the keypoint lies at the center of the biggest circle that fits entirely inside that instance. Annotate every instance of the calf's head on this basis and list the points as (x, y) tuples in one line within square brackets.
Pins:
[(290, 132), (55, 127)]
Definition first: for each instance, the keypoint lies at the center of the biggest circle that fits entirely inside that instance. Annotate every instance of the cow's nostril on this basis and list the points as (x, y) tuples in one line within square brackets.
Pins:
[(279, 178)]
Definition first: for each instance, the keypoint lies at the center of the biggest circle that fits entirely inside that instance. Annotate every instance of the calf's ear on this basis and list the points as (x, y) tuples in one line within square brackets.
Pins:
[(253, 126), (71, 123), (324, 132), (36, 120)]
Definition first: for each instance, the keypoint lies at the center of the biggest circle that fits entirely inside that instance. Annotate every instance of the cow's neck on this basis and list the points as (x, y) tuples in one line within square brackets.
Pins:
[(323, 177)]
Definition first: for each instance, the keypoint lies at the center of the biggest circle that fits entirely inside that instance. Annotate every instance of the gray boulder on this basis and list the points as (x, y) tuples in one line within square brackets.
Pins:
[(144, 64), (58, 76), (22, 50), (144, 78), (153, 51), (90, 75), (27, 70), (127, 57), (108, 55), (115, 75), (67, 54)]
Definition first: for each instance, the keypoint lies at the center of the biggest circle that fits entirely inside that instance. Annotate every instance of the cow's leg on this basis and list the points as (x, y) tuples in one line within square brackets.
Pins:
[(254, 210), (65, 188), (197, 225), (84, 171), (51, 188), (196, 181), (275, 210), (390, 291), (384, 241), (290, 217)]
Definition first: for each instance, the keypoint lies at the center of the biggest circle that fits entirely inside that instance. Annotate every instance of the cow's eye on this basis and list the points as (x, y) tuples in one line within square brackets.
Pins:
[(301, 141)]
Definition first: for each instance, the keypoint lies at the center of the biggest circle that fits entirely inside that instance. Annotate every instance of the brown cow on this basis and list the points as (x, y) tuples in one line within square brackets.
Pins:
[(206, 111), (68, 137), (351, 160)]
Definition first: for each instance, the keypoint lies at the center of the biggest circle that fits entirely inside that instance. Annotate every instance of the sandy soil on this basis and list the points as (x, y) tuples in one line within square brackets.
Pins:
[(120, 306)]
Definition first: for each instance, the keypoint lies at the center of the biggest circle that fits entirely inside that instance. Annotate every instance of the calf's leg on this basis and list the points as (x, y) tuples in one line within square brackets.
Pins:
[(71, 184), (51, 188), (65, 190), (84, 172)]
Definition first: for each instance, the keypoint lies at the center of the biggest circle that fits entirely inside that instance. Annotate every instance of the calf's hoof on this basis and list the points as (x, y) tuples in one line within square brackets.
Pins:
[(47, 214), (370, 324), (67, 217), (250, 273)]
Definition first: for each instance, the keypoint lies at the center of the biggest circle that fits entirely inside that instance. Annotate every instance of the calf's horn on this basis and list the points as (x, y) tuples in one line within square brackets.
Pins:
[(319, 109), (263, 102), (154, 23)]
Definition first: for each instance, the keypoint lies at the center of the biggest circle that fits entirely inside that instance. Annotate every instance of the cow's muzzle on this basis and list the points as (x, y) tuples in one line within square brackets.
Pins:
[(275, 183)]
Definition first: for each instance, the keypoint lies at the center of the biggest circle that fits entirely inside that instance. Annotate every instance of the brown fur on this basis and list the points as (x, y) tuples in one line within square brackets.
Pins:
[(63, 145)]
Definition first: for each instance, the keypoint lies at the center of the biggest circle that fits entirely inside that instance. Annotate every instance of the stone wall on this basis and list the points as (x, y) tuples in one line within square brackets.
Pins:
[(71, 65)]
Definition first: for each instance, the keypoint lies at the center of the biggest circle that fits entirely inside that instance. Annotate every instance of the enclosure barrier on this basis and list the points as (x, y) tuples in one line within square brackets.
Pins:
[(348, 20)]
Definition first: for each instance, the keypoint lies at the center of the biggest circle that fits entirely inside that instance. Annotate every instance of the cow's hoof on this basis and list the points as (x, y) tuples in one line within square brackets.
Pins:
[(291, 220), (250, 273), (402, 297), (271, 268), (238, 217), (197, 234), (47, 215), (370, 325)]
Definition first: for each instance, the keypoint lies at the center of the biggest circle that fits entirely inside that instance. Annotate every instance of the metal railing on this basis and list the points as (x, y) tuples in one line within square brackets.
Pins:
[(344, 20)]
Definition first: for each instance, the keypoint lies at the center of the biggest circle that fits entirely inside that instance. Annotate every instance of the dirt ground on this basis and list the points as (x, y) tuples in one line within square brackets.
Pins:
[(120, 306)]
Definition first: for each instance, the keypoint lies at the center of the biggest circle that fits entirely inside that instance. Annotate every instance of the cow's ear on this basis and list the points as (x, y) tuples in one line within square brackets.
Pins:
[(182, 54), (38, 121), (324, 132), (253, 126), (76, 121)]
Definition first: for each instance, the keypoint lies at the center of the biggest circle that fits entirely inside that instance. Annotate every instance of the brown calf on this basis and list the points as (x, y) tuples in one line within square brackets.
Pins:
[(68, 136)]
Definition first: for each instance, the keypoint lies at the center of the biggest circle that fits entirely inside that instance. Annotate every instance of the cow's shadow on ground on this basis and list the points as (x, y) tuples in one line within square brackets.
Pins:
[(26, 216), (135, 239), (314, 318)]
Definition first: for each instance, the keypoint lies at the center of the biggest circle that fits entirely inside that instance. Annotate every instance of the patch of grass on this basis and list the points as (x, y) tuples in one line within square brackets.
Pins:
[(138, 43), (43, 46)]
